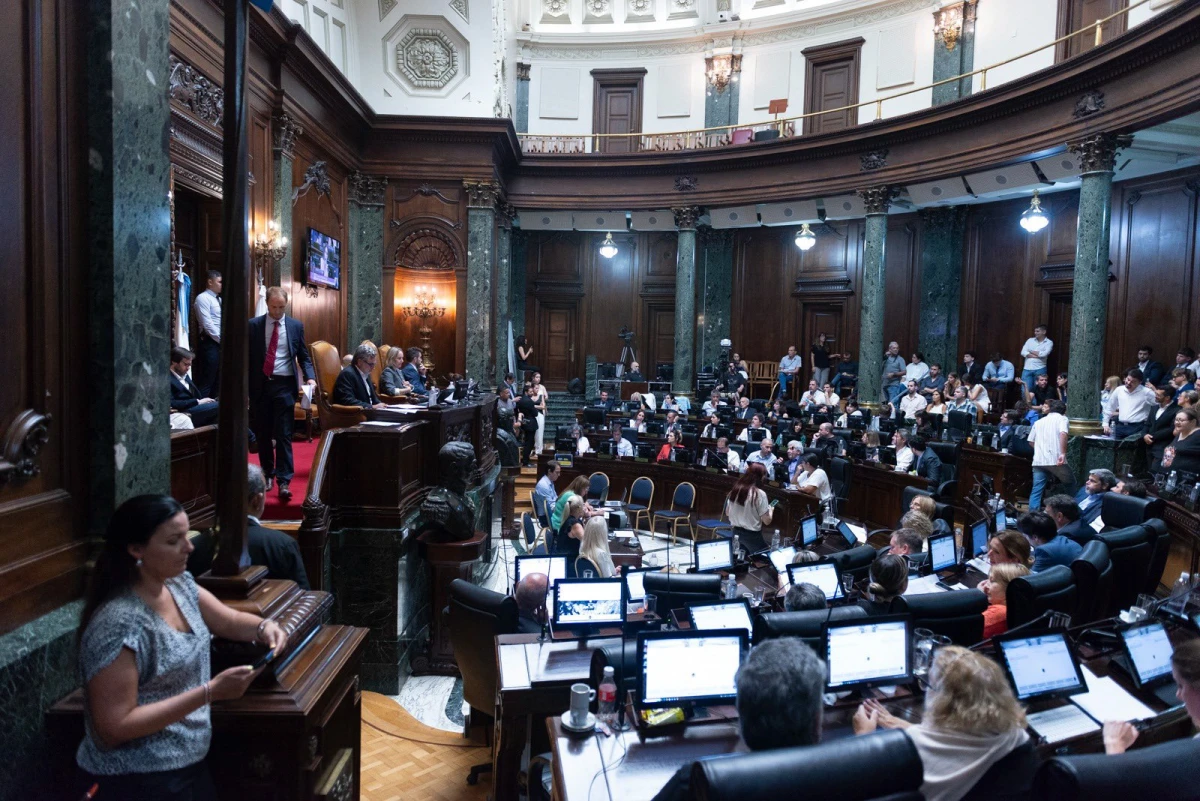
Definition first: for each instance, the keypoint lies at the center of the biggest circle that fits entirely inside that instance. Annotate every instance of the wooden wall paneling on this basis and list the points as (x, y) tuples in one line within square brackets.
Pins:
[(902, 295), (763, 310), (656, 286), (1077, 15), (322, 310), (995, 271), (831, 82), (827, 286), (443, 340), (609, 289)]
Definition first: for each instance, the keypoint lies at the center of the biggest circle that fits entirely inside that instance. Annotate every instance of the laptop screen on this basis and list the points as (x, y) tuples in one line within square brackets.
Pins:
[(848, 533), (822, 574), (781, 558), (1149, 651), (714, 555), (1001, 520), (721, 615), (979, 538), (588, 602), (1041, 664), (859, 652), (635, 582), (808, 530), (678, 667), (941, 552)]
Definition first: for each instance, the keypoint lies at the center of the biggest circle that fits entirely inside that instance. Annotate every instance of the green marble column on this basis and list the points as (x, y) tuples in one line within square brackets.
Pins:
[(521, 111), (953, 51), (503, 288), (285, 130), (481, 255), (716, 271), (519, 242), (685, 301), (870, 336), (1089, 296), (129, 235), (721, 100), (364, 301), (942, 232)]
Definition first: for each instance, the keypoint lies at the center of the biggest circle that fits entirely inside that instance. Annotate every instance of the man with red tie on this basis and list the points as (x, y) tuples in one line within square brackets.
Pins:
[(279, 360)]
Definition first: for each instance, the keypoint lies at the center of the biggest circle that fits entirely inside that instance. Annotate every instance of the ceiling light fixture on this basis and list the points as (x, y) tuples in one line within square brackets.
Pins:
[(608, 248), (1033, 219), (805, 238)]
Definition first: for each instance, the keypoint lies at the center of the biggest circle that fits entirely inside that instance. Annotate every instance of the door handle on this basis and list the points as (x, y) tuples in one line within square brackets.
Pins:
[(571, 349)]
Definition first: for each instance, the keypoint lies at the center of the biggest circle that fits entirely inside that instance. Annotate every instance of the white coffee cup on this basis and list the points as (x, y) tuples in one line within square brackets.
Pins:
[(581, 696)]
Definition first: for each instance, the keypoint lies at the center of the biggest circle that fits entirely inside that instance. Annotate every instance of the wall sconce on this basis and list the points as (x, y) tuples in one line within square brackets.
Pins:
[(608, 248), (805, 238), (423, 306), (1033, 219), (948, 25), (268, 247), (722, 70)]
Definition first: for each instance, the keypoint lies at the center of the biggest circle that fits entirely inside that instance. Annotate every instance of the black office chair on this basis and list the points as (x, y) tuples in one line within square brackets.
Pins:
[(1030, 596), (1010, 779), (677, 590), (806, 625), (1122, 511), (593, 417), (855, 561), (1166, 770), (840, 474), (1130, 550), (1156, 531), (1093, 571), (957, 615), (475, 616), (881, 765), (622, 657)]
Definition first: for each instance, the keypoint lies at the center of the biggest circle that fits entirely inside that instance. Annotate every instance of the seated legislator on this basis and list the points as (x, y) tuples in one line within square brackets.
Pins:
[(1049, 549), (812, 480), (748, 509), (763, 456), (1010, 547), (570, 534), (804, 597), (273, 549), (666, 453), (744, 412), (593, 549), (1185, 669), (576, 489), (925, 461), (920, 523), (813, 396), (713, 404), (756, 424), (971, 721), (353, 386), (904, 454), (144, 659), (412, 372), (1063, 510), (393, 382), (889, 580), (995, 587), (710, 428), (726, 458), (618, 444), (906, 542), (779, 702), (530, 596), (185, 397), (634, 373), (1090, 495)]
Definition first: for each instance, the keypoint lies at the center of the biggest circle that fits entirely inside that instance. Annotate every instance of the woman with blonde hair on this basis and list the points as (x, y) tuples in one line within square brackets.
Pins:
[(918, 522), (1010, 547), (925, 504), (970, 722), (593, 550), (995, 587)]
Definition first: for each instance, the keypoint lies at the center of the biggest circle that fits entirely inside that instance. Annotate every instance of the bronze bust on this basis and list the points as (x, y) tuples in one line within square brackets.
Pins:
[(447, 514)]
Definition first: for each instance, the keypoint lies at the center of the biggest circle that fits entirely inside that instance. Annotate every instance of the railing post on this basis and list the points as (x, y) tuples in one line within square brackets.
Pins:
[(879, 109), (1099, 32)]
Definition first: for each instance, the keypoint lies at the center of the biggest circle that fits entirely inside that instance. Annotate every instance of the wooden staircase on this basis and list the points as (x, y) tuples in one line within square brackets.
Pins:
[(523, 486)]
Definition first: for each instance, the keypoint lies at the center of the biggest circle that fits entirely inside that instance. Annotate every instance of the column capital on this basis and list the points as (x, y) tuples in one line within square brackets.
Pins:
[(522, 71), (367, 190), (686, 217), (285, 130), (505, 213), (1098, 152), (877, 199), (482, 194)]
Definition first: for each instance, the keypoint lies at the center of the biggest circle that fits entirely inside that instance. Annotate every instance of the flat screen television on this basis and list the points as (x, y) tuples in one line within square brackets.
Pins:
[(323, 260)]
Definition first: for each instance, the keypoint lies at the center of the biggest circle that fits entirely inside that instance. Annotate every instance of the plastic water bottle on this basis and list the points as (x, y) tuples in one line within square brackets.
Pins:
[(606, 697), (1194, 495), (997, 504), (995, 442), (736, 547), (775, 540), (730, 588), (1172, 481)]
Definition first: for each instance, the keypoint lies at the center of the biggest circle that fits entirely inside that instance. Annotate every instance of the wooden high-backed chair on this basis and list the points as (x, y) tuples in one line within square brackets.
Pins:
[(377, 374), (327, 364)]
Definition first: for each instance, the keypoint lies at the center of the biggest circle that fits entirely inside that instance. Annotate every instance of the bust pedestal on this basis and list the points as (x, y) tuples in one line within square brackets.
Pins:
[(447, 561)]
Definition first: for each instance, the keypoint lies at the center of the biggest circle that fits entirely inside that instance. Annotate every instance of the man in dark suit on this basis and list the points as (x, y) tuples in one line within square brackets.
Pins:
[(1153, 373), (412, 372), (279, 361), (744, 411), (1089, 497), (970, 372), (531, 603), (185, 396), (1160, 423), (354, 386), (527, 408), (268, 547), (1065, 514), (927, 463)]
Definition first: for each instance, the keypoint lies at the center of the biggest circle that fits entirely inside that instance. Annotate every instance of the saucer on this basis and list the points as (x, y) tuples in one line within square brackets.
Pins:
[(587, 728)]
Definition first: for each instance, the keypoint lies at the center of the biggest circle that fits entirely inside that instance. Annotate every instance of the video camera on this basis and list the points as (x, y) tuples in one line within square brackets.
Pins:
[(625, 334)]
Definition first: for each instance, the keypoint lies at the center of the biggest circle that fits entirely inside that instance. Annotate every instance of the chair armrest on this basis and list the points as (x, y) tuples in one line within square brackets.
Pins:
[(947, 489)]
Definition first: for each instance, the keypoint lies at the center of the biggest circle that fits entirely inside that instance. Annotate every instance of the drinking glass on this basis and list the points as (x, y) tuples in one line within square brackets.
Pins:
[(650, 603), (652, 559), (1145, 603), (959, 553), (848, 584), (1059, 620), (922, 650), (760, 593)]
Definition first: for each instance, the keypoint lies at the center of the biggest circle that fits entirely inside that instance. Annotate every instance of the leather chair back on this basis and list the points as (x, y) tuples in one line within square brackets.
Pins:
[(839, 477), (1165, 770), (1030, 596), (1093, 577), (957, 615), (677, 590), (1156, 531), (476, 617), (1010, 778), (1122, 511), (1130, 550), (622, 657), (855, 561), (327, 364), (948, 453), (875, 766), (377, 370), (806, 625), (942, 511)]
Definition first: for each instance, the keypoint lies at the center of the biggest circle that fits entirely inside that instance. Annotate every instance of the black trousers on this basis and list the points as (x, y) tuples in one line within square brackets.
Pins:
[(206, 368), (193, 783), (528, 436), (272, 414)]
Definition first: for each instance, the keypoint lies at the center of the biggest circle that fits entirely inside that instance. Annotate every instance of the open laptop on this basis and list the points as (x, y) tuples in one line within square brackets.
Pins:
[(553, 567), (734, 614), (587, 605), (678, 668), (943, 558), (824, 575), (1146, 658), (713, 555), (1040, 665), (867, 653)]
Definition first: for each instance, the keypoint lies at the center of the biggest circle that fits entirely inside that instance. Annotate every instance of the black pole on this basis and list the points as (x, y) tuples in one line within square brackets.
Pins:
[(233, 418)]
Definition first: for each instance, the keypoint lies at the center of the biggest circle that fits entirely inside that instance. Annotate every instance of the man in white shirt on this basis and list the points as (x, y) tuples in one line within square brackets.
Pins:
[(811, 479), (544, 494), (917, 369), (619, 445), (207, 308), (912, 402), (789, 366), (1035, 350), (763, 456), (1128, 406), (728, 458), (712, 404), (1049, 439), (813, 396), (756, 424), (904, 454), (829, 400)]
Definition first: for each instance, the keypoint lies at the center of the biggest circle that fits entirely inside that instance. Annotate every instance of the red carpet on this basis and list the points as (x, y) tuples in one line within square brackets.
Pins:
[(302, 456)]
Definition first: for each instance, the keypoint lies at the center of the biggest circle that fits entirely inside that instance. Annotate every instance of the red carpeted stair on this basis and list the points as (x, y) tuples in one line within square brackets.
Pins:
[(302, 456)]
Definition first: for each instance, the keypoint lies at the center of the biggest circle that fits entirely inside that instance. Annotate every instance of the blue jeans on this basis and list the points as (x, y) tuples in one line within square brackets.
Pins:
[(783, 383), (1042, 476), (894, 392), (1030, 377)]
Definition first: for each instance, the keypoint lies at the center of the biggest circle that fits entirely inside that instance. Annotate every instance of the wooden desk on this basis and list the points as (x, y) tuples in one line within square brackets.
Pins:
[(1012, 476), (876, 494), (194, 474)]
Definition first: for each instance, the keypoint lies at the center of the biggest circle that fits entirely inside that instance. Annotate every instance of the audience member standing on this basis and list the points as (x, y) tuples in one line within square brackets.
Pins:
[(1035, 351), (207, 307), (1160, 423), (1128, 407), (1153, 372), (971, 371), (541, 397), (1049, 439), (820, 359), (893, 373), (1183, 453)]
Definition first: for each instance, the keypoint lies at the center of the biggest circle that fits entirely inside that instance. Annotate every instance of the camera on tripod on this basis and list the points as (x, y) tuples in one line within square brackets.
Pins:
[(625, 334)]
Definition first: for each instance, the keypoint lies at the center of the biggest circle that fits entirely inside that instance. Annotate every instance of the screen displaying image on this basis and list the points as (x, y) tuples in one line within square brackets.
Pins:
[(323, 260), (1149, 650), (1001, 520), (979, 538), (553, 567), (782, 558), (680, 669), (715, 555), (848, 533), (635, 584), (1040, 665), (867, 652), (822, 574), (588, 603), (941, 552), (728, 615), (808, 530)]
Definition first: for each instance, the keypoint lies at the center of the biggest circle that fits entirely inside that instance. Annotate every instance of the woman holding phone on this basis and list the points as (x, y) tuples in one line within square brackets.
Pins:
[(748, 509)]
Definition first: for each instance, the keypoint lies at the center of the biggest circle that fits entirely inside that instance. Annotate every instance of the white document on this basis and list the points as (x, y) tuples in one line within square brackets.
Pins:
[(1061, 723), (306, 395), (860, 533), (1107, 700), (923, 586), (1098, 524)]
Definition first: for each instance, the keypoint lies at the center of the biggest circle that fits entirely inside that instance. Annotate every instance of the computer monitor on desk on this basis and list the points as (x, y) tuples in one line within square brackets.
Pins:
[(1040, 665), (868, 653), (823, 575), (587, 605), (678, 668), (713, 555), (733, 614), (978, 537)]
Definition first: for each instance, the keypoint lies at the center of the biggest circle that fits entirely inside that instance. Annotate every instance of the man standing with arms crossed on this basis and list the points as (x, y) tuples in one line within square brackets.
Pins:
[(206, 371), (1035, 351)]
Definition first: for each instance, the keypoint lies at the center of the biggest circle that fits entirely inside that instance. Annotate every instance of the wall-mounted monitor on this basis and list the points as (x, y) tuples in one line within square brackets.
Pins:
[(322, 260)]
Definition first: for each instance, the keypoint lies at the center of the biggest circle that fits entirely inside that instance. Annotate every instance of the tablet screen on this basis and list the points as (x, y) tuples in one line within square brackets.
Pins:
[(822, 574), (808, 530), (714, 555), (724, 615), (979, 538), (867, 652), (1149, 651), (941, 552), (1041, 665)]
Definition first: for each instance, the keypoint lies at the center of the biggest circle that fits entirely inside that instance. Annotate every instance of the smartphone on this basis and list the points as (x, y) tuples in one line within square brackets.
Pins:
[(263, 660), (775, 502)]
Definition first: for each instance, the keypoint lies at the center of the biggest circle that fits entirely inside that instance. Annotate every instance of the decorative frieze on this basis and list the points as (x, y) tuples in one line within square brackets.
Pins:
[(191, 90), (367, 190)]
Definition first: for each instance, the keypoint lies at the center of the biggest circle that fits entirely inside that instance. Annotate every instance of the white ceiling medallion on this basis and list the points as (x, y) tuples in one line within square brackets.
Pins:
[(426, 55)]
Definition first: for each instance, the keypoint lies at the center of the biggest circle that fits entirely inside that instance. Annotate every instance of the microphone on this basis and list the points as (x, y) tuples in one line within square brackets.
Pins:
[(1044, 616)]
